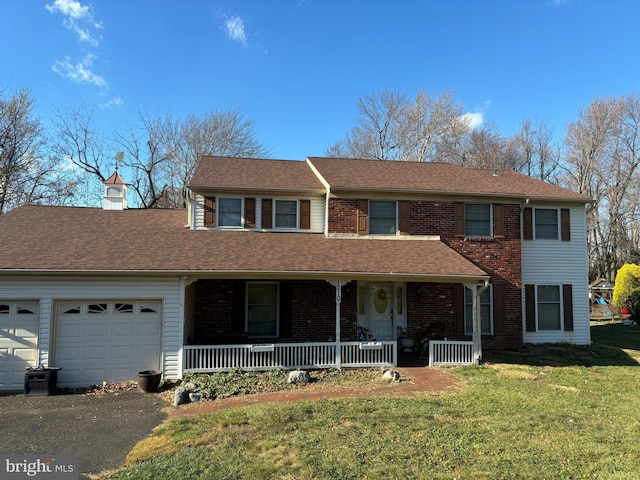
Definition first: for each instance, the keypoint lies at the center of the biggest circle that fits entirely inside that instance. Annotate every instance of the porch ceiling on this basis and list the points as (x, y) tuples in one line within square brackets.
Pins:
[(80, 241)]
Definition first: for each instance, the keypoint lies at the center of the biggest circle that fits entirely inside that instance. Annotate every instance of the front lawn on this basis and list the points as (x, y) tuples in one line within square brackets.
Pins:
[(552, 412)]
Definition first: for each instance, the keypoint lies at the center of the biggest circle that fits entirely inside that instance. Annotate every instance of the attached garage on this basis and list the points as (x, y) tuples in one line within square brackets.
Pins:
[(18, 341), (106, 340)]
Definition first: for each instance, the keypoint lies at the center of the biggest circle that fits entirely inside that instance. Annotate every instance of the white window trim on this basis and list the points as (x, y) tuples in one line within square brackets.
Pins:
[(534, 226), (397, 219), (491, 319), (274, 214), (246, 308), (560, 306), (242, 219), (490, 223)]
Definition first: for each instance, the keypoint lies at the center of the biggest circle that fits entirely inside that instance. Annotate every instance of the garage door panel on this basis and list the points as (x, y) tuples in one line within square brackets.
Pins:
[(115, 344), (18, 341)]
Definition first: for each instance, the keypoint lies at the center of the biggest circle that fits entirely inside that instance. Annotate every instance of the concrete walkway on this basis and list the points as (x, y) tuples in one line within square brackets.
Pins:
[(413, 381)]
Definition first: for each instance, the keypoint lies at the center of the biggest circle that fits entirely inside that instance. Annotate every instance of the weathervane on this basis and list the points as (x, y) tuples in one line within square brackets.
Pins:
[(119, 158)]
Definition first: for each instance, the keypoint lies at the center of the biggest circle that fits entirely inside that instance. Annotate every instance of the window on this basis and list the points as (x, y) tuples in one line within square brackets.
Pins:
[(124, 308), (382, 218), (230, 212), (262, 309), (4, 308), (546, 224), (97, 308), (286, 214), (549, 307), (477, 220), (485, 311)]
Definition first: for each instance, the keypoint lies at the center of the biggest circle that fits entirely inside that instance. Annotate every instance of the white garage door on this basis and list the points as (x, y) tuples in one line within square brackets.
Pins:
[(18, 341), (106, 341)]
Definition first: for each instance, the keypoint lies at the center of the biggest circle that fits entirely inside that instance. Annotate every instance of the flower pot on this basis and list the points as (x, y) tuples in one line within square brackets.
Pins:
[(149, 380)]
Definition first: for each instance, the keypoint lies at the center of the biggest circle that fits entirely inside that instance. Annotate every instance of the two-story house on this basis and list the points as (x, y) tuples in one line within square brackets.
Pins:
[(322, 263)]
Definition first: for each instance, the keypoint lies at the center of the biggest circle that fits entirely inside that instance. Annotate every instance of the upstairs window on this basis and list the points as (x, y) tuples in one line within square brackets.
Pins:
[(230, 212), (382, 218), (546, 224), (286, 214), (477, 220)]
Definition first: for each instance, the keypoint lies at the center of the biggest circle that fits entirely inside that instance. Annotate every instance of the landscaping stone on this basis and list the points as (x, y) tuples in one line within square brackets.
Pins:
[(181, 397), (391, 376), (195, 397), (299, 377)]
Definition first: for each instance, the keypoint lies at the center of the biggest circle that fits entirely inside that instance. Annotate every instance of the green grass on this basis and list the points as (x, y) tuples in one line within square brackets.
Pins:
[(545, 412)]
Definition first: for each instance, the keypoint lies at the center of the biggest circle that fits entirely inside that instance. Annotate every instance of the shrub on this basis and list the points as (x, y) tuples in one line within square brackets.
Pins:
[(627, 283)]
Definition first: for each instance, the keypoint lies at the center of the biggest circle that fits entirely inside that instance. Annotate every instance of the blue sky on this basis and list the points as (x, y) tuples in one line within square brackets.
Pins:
[(298, 67)]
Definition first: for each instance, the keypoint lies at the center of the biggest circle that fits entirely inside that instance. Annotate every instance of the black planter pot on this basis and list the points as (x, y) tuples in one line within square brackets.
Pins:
[(149, 380)]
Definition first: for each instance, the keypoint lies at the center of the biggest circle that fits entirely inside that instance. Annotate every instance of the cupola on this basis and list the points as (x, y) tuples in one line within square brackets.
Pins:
[(115, 193)]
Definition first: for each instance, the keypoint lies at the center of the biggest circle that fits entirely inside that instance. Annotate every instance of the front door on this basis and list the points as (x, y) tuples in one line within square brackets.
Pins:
[(381, 311)]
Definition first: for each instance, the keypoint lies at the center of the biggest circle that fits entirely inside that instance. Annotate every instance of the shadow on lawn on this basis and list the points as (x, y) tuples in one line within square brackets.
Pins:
[(607, 349)]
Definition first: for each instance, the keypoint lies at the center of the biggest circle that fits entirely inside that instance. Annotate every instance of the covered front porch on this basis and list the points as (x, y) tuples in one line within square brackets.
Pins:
[(307, 323)]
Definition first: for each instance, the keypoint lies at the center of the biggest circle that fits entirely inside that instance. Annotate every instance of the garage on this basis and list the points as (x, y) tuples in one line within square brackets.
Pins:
[(106, 341), (18, 341)]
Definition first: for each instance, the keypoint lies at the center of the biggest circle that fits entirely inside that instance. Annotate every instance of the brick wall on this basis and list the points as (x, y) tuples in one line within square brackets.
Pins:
[(313, 312), (343, 215)]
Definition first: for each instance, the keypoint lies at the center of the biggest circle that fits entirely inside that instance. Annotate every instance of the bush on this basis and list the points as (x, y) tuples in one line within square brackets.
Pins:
[(627, 283)]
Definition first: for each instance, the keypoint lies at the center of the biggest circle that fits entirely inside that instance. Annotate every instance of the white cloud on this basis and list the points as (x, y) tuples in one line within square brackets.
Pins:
[(79, 72), (473, 120), (115, 102), (79, 19), (234, 27)]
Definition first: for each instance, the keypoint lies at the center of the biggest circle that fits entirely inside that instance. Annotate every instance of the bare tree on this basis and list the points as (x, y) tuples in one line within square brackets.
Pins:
[(536, 152), (26, 175)]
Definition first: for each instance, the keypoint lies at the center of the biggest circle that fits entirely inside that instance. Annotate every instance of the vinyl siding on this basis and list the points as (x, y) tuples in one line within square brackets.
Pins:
[(317, 211), (49, 291), (554, 262)]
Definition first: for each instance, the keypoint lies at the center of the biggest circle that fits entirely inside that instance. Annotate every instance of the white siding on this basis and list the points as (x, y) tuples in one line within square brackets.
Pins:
[(317, 211), (554, 262), (50, 290)]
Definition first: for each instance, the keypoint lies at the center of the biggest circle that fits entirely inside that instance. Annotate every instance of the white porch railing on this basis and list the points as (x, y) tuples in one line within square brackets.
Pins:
[(447, 352), (221, 358)]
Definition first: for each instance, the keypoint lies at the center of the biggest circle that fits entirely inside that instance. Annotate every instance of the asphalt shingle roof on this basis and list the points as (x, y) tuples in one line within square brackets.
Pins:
[(74, 239)]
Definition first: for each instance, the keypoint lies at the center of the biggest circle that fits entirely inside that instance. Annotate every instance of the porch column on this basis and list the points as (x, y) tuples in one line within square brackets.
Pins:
[(476, 336), (338, 284)]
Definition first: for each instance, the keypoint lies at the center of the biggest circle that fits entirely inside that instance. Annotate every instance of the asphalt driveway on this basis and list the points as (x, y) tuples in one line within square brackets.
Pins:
[(100, 429)]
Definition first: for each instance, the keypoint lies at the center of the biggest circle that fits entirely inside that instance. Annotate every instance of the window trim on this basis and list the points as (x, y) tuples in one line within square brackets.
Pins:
[(535, 224), (489, 219), (396, 218), (275, 213), (489, 292), (219, 212), (246, 307), (560, 304)]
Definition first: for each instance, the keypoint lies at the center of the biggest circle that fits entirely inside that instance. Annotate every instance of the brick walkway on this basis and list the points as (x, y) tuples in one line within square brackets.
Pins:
[(413, 381)]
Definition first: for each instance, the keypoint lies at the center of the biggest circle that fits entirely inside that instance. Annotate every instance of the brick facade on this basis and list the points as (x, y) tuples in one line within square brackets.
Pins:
[(428, 304)]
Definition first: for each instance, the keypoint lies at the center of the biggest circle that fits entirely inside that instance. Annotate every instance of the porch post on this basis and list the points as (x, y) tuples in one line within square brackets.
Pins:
[(475, 314), (338, 284)]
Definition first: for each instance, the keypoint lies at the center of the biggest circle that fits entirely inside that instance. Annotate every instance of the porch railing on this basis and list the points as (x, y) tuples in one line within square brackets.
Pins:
[(221, 358), (447, 352)]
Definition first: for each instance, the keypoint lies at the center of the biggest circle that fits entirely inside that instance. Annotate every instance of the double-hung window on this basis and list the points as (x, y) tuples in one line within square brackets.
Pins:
[(286, 214), (477, 219), (230, 212), (549, 307), (546, 223), (262, 309), (485, 311), (382, 218)]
